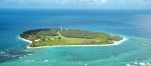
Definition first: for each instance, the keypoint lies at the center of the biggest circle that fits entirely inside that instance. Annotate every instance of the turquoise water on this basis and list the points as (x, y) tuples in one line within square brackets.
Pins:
[(131, 24)]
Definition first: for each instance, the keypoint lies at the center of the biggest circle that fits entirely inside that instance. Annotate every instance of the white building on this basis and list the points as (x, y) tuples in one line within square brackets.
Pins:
[(37, 40)]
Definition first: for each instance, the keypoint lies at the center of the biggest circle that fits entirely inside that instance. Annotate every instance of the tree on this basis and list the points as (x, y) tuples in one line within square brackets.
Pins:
[(59, 38)]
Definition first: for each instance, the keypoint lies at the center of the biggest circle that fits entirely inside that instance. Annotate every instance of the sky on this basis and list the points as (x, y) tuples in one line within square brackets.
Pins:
[(77, 4)]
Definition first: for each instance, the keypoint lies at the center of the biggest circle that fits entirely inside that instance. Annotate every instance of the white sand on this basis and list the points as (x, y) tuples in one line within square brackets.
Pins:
[(115, 43), (25, 40)]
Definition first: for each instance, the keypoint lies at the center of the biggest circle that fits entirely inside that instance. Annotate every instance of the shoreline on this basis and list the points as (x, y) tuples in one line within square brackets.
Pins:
[(25, 40), (115, 43)]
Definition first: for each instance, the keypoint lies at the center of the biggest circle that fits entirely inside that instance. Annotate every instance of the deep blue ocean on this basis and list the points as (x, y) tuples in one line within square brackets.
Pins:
[(135, 25)]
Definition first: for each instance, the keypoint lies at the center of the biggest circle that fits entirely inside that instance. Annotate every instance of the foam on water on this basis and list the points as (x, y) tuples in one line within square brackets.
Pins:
[(139, 64)]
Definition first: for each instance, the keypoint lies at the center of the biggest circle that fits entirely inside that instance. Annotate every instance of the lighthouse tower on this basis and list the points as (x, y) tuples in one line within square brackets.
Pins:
[(61, 28)]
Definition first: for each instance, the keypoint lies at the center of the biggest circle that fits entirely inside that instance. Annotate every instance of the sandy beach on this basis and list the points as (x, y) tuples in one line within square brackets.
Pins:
[(25, 40), (115, 43)]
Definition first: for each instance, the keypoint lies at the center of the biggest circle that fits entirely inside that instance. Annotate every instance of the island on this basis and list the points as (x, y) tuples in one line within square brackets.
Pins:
[(59, 36)]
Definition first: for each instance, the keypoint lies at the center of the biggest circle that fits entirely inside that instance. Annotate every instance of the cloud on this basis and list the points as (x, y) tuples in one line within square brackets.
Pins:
[(146, 0), (76, 3), (104, 1), (55, 1), (68, 1), (92, 2)]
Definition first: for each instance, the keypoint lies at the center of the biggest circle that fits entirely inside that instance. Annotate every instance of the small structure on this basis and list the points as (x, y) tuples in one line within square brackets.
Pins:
[(52, 38), (37, 40), (46, 38), (61, 28)]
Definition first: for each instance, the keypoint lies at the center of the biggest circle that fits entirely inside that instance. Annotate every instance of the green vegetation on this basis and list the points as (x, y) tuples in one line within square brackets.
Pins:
[(54, 36)]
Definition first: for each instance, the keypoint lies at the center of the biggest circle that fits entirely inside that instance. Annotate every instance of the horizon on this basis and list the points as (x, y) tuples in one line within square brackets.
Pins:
[(75, 4)]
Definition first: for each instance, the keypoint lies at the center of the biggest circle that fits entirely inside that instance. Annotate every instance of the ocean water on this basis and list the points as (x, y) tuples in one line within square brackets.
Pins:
[(131, 24)]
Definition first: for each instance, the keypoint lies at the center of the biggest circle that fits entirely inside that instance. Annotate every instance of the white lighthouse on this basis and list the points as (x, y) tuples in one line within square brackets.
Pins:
[(61, 28)]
